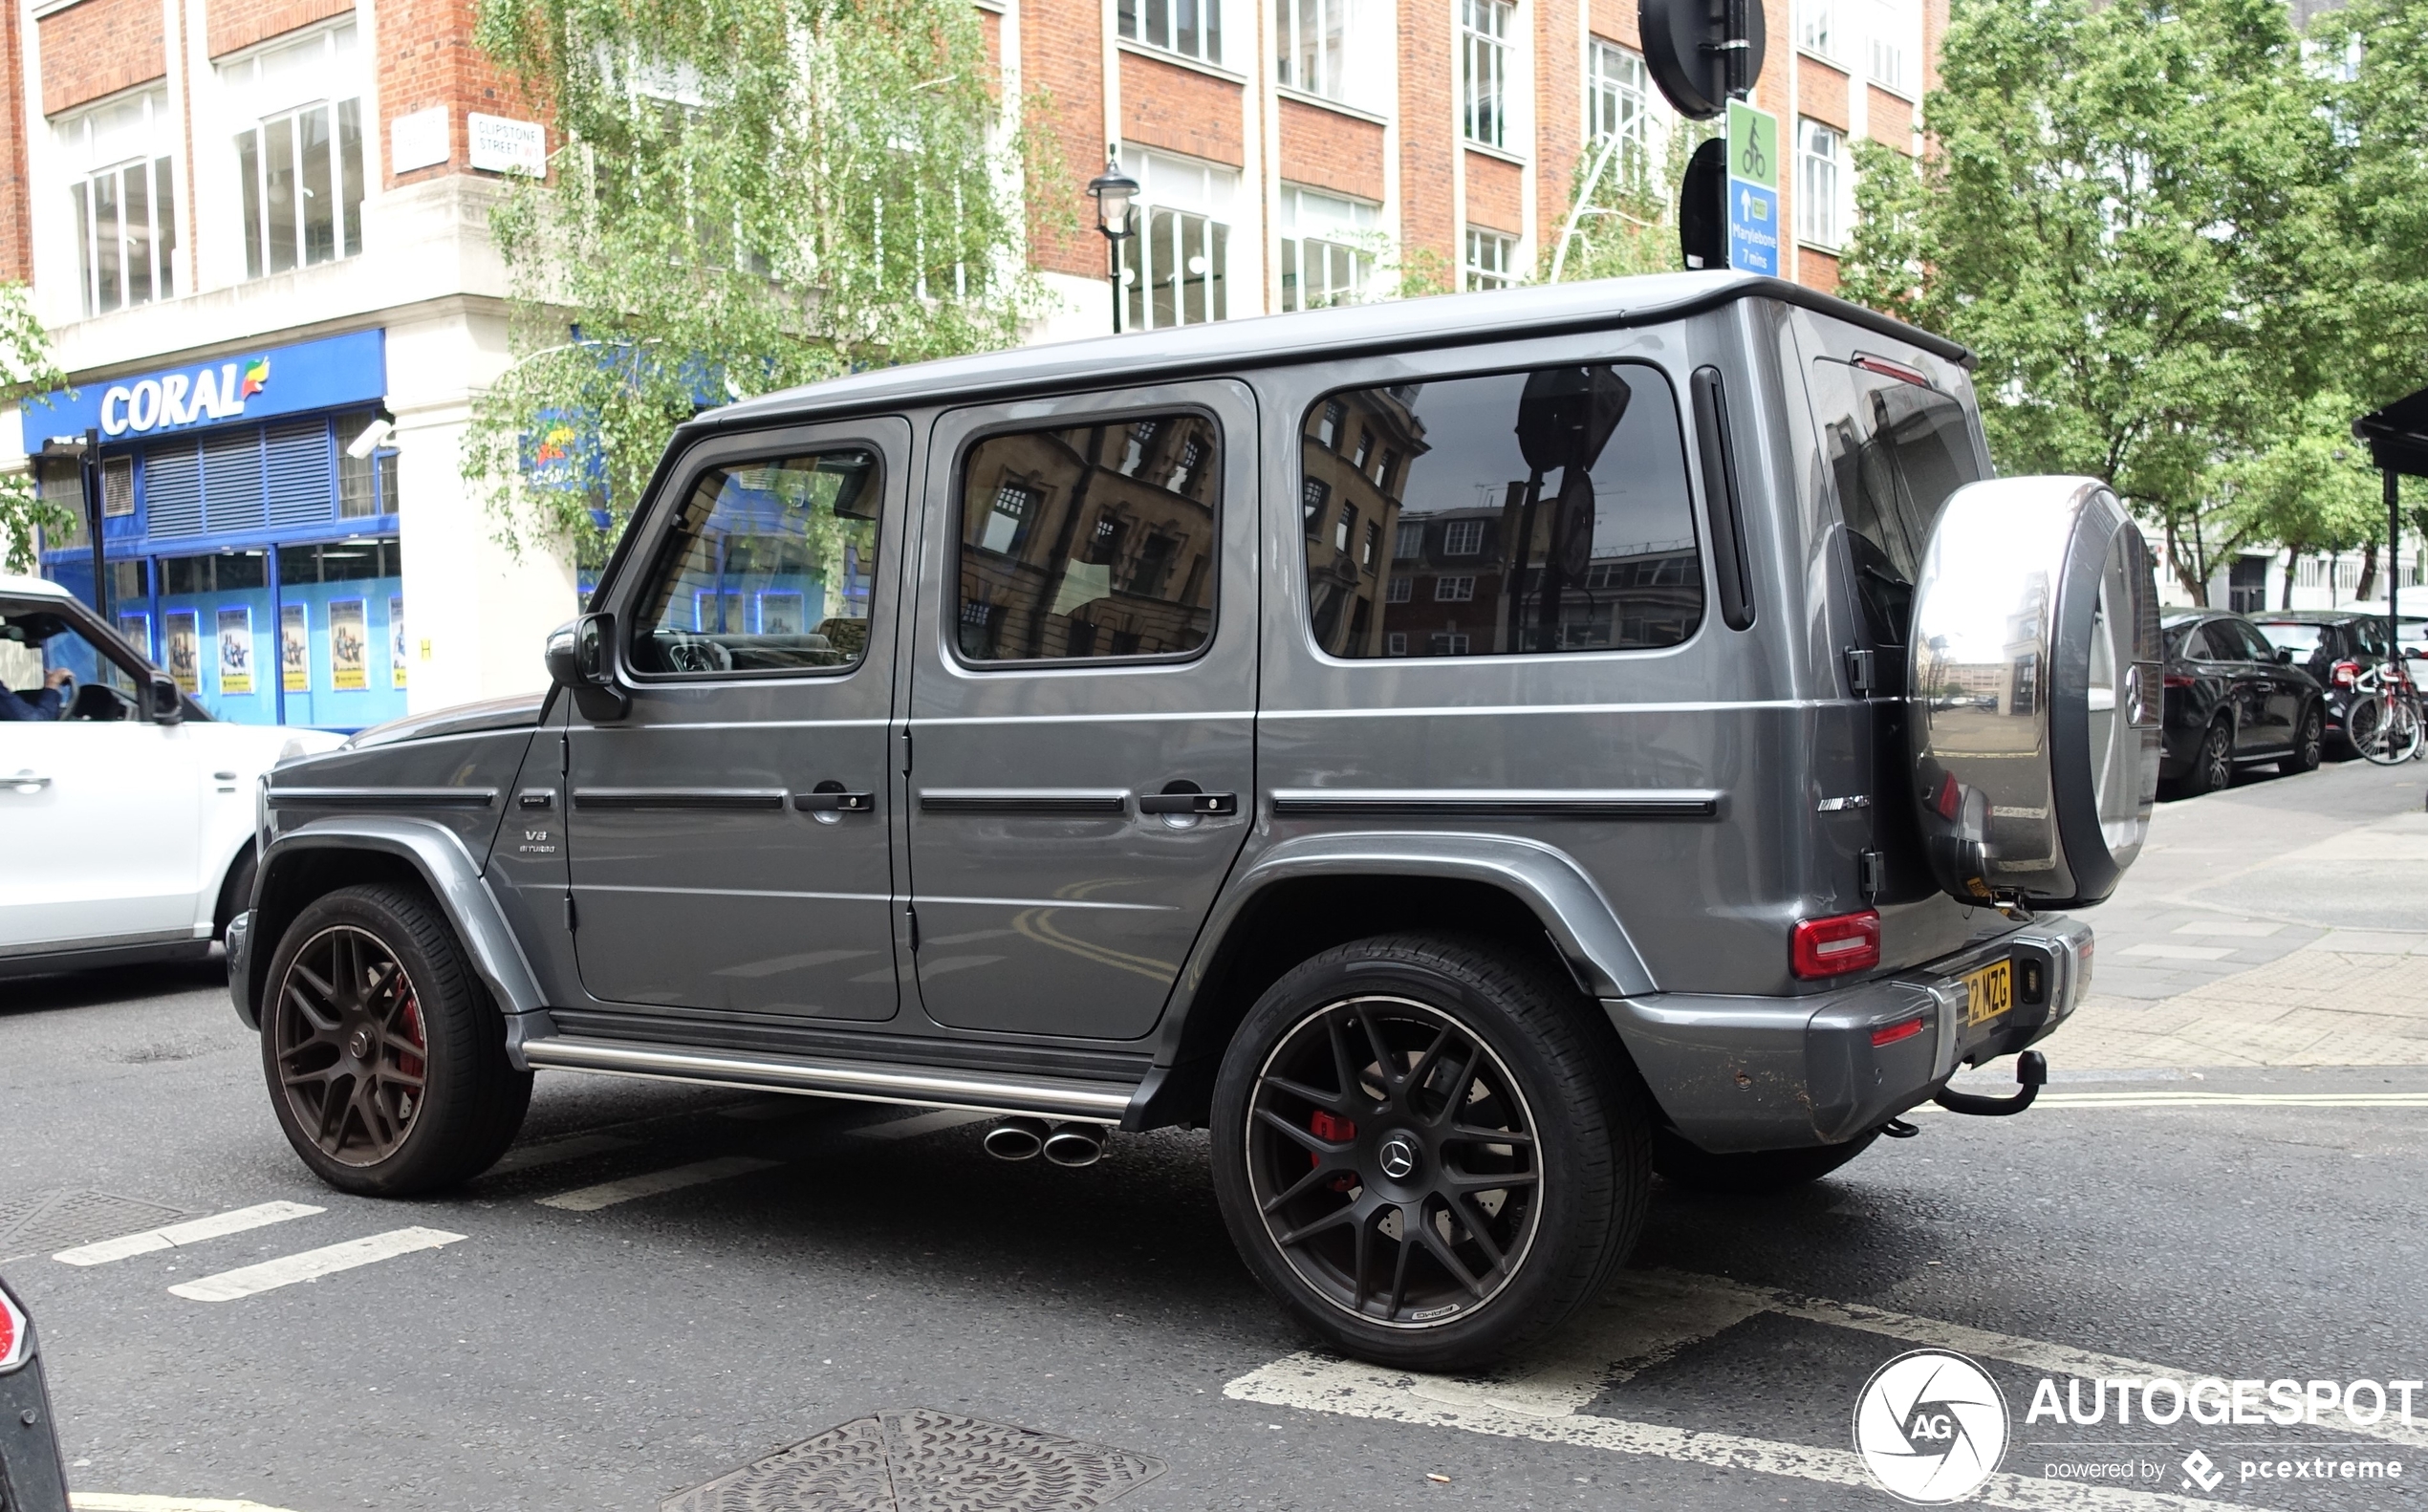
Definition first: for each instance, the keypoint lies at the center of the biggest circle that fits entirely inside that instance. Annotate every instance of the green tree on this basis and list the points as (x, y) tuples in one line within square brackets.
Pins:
[(25, 370), (1626, 216), (749, 194), (2130, 212)]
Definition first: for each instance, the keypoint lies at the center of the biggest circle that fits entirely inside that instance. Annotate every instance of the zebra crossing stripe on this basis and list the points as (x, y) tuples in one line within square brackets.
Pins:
[(193, 1231), (312, 1265)]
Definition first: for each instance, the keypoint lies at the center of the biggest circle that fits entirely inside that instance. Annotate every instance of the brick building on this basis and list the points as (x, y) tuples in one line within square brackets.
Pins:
[(257, 230)]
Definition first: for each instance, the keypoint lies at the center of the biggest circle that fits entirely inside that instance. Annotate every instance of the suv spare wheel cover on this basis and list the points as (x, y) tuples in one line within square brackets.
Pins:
[(2036, 688)]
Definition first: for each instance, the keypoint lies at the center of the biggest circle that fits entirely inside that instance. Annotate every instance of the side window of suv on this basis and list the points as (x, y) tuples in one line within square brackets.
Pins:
[(1089, 541), (768, 570), (1510, 512)]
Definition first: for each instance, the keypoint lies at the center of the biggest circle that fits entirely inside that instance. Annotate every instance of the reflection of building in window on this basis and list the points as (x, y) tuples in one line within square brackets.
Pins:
[(1489, 556), (1115, 549), (1354, 508)]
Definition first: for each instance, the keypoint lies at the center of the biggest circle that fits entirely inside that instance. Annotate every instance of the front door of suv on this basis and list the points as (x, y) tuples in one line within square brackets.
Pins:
[(727, 837), (1082, 705)]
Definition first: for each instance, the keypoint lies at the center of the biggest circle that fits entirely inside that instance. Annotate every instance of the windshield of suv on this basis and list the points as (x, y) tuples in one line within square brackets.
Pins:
[(1895, 450)]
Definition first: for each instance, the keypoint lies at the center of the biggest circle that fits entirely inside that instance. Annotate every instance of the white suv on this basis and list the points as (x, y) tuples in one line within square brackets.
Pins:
[(126, 812)]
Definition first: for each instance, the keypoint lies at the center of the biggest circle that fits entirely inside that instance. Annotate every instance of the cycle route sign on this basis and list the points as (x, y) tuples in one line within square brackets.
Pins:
[(1753, 189)]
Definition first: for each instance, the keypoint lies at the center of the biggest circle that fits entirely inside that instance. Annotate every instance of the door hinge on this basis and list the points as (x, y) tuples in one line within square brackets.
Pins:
[(910, 916), (1862, 672), (1872, 874), (569, 914)]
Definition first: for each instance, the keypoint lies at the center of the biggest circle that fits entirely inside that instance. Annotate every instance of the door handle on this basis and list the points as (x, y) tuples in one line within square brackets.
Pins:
[(834, 800), (26, 782), (1192, 803)]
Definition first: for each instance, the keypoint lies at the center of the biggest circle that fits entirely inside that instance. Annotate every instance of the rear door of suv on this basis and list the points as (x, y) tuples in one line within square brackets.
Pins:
[(1082, 702)]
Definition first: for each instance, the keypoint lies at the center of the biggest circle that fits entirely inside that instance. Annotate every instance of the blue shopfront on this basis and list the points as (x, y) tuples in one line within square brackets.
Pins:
[(249, 527)]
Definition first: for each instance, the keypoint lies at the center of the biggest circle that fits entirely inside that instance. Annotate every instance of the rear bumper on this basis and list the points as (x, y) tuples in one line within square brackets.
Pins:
[(1739, 1074)]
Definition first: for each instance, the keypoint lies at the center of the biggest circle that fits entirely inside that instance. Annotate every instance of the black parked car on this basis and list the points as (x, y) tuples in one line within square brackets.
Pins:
[(2234, 699), (2333, 646)]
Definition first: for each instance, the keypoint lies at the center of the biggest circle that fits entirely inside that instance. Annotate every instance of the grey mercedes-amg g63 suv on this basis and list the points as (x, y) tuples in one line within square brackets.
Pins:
[(1470, 754)]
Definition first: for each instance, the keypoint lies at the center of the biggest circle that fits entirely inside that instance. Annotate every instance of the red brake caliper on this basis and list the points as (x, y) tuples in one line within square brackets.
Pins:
[(1328, 1126)]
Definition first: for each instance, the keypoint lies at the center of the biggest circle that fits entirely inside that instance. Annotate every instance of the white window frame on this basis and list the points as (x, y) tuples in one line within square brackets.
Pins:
[(1182, 217), (1313, 42), (102, 145), (1619, 95), (1332, 238), (1189, 29), (1463, 538), (1454, 589), (286, 82), (1821, 163), (1893, 46), (1490, 256), (1817, 27), (1487, 88)]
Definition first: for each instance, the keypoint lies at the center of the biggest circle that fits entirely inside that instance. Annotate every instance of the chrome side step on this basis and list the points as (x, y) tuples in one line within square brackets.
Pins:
[(862, 1081)]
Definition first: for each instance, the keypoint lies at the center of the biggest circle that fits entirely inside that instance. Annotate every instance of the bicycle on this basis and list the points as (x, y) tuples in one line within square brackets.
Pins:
[(2384, 722)]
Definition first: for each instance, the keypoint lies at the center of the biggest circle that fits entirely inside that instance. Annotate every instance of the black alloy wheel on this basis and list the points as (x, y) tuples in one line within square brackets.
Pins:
[(385, 1058), (353, 1051), (2309, 746), (1430, 1150), (1392, 1159), (2212, 764)]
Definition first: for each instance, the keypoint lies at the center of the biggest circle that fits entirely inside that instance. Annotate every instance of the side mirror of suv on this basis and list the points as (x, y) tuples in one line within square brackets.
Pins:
[(162, 701), (580, 657)]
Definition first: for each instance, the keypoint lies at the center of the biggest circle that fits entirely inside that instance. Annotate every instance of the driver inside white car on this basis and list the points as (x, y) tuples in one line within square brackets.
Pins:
[(49, 702)]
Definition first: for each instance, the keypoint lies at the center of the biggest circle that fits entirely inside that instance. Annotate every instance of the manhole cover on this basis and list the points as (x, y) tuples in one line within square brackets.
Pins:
[(923, 1461), (42, 1222)]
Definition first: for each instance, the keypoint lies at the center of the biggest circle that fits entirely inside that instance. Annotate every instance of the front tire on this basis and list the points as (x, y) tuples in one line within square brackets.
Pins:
[(1681, 1163), (2309, 746), (385, 1058), (1425, 1152)]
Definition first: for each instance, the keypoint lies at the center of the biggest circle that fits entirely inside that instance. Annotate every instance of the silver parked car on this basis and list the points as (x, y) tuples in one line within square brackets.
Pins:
[(1471, 754)]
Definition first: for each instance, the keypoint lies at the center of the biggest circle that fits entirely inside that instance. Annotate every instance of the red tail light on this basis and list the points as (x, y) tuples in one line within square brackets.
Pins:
[(1833, 946), (2342, 672), (14, 1336), (1896, 1032)]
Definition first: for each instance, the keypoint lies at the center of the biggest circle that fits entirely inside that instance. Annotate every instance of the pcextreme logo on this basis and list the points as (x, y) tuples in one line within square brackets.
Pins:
[(1931, 1426)]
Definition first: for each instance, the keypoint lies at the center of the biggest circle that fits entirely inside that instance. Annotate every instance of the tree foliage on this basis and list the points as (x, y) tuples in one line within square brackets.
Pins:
[(749, 194), (2134, 211), (25, 370), (1626, 216)]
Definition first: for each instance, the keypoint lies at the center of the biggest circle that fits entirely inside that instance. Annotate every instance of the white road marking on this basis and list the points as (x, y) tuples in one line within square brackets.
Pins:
[(312, 1263), (1319, 1384), (941, 1119), (526, 1156), (2210, 1099), (193, 1231), (113, 1501), (607, 1194)]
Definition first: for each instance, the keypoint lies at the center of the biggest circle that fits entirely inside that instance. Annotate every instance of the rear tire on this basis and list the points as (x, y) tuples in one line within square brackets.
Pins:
[(1355, 1111), (2213, 764), (1681, 1163), (385, 1057)]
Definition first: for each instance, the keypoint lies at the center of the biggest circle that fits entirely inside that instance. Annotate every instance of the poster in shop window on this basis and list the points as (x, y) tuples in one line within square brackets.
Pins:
[(396, 642), (235, 651), (294, 648), (349, 647), (137, 628), (186, 650)]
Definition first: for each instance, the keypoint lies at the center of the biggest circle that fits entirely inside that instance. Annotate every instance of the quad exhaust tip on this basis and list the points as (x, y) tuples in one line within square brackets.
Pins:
[(1073, 1145)]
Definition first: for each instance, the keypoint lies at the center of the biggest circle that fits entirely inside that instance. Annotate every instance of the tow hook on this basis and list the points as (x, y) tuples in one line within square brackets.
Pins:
[(2032, 1074)]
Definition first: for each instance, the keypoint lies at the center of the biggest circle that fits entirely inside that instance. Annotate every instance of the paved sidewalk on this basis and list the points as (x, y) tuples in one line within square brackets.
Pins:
[(2281, 924)]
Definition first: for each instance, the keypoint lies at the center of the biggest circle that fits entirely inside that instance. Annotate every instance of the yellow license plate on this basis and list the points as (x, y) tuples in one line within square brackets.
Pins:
[(1988, 992)]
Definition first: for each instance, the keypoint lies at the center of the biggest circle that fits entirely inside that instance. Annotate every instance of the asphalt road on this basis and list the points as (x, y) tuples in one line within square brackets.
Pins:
[(615, 1346)]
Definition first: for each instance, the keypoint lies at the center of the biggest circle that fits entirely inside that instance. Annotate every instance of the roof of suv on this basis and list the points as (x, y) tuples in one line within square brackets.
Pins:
[(2314, 616), (1354, 329)]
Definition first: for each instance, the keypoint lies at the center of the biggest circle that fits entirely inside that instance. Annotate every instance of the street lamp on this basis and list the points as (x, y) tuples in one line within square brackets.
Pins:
[(1113, 191)]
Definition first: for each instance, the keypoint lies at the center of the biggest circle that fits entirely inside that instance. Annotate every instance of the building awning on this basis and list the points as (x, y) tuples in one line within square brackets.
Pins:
[(2398, 435)]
